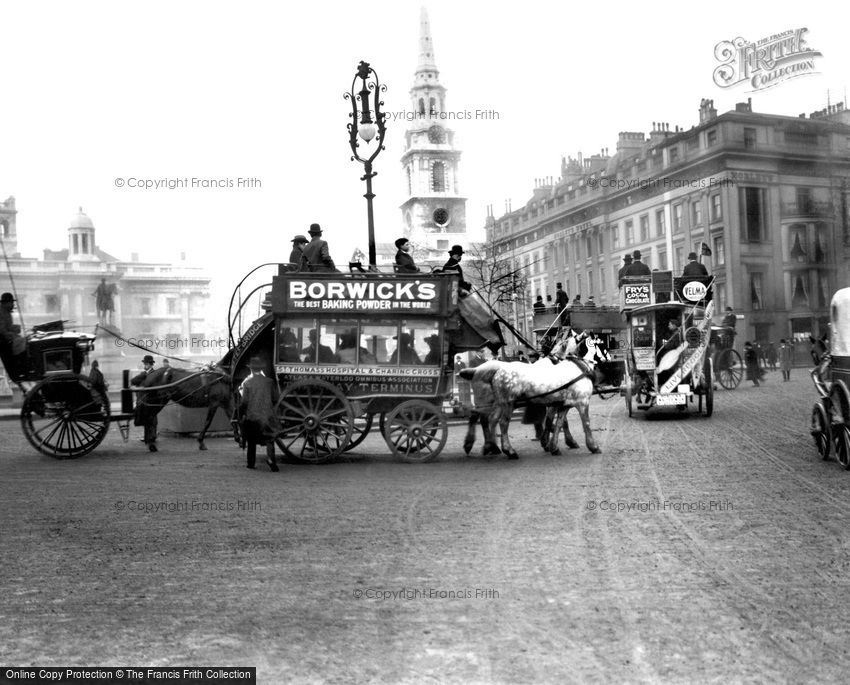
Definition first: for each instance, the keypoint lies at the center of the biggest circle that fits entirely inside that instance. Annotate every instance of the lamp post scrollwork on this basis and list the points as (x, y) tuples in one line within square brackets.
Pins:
[(366, 136)]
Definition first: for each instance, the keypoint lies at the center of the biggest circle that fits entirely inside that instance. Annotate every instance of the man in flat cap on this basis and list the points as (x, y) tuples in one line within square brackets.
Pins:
[(693, 267), (404, 263), (637, 267), (297, 260), (316, 252)]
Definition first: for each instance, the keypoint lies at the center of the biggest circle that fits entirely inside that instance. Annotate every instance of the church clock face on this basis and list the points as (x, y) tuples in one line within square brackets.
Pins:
[(441, 216), (436, 135)]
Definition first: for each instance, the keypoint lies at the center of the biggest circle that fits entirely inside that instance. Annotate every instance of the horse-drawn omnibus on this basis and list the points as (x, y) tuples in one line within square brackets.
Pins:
[(831, 375), (667, 343), (348, 347)]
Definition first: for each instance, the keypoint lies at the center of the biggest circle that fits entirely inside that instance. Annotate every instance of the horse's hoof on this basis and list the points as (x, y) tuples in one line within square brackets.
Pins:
[(572, 445), (490, 450), (202, 446), (513, 455), (152, 447), (555, 452), (467, 448), (595, 450)]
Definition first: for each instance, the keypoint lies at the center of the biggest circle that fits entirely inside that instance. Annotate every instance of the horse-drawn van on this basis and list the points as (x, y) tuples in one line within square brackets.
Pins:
[(831, 375), (667, 342)]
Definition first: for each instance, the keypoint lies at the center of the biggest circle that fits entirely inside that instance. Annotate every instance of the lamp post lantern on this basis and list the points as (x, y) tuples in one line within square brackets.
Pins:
[(367, 124)]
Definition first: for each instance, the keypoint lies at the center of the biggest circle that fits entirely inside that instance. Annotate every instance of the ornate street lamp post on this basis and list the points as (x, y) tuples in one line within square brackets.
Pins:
[(367, 124)]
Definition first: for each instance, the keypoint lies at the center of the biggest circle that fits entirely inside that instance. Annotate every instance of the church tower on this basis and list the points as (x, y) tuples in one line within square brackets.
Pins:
[(434, 214)]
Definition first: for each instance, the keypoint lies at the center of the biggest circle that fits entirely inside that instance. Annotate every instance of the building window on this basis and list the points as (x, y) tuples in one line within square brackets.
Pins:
[(711, 137), (752, 214), (442, 244), (679, 261), (76, 242), (677, 218), (600, 243), (588, 246), (660, 227), (51, 303), (145, 306), (171, 305), (756, 295), (630, 232), (696, 212), (602, 280), (674, 153), (801, 138), (720, 297), (693, 143), (644, 228), (804, 200), (85, 243), (716, 208), (662, 261), (798, 244), (438, 177), (615, 236), (719, 251), (749, 137)]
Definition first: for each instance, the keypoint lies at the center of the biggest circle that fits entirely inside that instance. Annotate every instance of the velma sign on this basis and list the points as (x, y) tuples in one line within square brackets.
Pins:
[(637, 294), (342, 294), (694, 291)]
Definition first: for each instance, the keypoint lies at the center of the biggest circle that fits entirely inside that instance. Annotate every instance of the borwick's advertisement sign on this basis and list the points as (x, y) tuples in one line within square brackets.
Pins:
[(414, 297)]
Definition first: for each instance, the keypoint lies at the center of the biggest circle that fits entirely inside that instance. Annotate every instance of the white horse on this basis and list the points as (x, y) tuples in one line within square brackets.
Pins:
[(557, 384)]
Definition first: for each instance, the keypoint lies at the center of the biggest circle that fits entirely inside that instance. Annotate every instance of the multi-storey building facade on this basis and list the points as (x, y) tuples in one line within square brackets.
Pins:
[(160, 306), (768, 195)]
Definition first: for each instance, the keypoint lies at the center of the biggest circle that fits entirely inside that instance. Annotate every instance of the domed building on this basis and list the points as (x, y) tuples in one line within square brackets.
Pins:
[(161, 306)]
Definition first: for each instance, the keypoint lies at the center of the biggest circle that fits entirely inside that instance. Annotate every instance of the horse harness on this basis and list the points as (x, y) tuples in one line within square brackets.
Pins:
[(586, 372)]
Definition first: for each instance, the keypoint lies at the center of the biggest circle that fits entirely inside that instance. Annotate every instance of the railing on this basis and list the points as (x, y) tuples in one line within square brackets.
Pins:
[(806, 208)]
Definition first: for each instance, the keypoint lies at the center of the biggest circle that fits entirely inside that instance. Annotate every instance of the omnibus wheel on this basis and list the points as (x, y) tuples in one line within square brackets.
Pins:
[(316, 421), (730, 369), (416, 431), (359, 430), (64, 416), (821, 431), (841, 439)]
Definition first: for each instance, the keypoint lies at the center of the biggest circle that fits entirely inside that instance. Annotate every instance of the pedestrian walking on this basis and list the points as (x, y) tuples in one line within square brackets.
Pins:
[(751, 359), (258, 423), (786, 353)]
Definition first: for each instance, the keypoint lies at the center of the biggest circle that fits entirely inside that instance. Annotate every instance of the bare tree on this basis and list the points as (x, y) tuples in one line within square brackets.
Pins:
[(495, 279)]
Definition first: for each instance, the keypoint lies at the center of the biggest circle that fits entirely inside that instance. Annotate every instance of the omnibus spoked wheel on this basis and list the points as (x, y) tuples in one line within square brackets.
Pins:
[(359, 430), (316, 421), (64, 416), (416, 431), (821, 431)]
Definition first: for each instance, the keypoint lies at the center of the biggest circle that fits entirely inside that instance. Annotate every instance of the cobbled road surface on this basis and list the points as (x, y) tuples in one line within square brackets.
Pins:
[(690, 550)]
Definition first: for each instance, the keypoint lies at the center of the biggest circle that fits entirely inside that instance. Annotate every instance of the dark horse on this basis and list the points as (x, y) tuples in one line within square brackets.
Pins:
[(208, 388)]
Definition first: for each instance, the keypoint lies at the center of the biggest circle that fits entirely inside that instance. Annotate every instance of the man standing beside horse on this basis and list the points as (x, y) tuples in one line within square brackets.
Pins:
[(145, 415)]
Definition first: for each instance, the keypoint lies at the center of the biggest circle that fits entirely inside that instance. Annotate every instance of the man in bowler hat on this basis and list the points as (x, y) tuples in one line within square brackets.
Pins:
[(624, 270), (638, 268), (693, 267), (453, 265), (144, 415), (316, 252)]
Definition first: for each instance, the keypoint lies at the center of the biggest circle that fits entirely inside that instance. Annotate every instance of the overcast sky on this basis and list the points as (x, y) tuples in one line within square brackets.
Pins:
[(94, 91)]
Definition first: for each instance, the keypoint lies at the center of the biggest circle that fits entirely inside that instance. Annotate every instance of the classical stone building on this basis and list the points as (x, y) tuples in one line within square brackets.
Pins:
[(162, 306), (767, 195)]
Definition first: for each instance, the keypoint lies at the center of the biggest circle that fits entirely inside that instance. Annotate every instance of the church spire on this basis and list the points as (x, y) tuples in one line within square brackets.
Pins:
[(426, 69)]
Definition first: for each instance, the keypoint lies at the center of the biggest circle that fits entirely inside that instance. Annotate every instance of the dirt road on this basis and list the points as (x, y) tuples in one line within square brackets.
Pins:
[(690, 550)]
